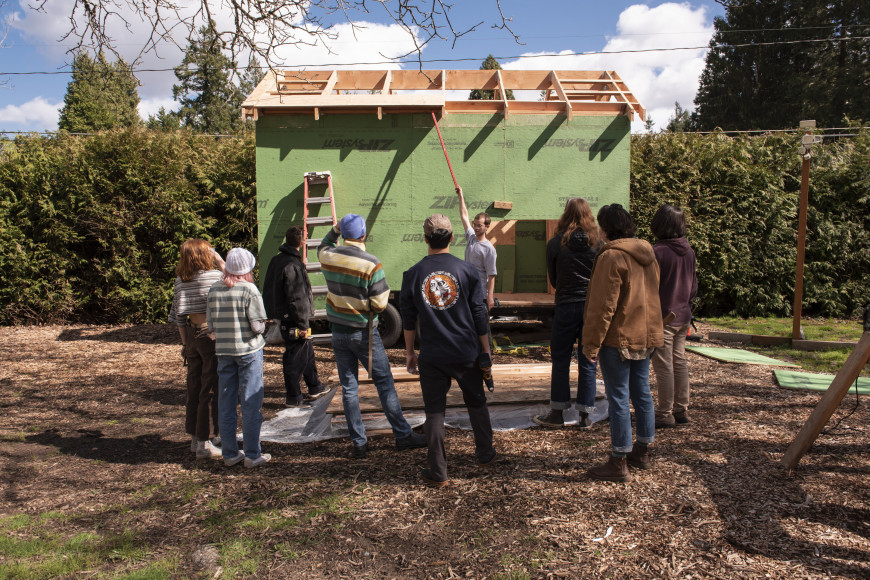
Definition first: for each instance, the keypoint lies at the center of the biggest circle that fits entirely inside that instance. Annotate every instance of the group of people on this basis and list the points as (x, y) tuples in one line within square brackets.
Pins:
[(624, 300), (626, 303)]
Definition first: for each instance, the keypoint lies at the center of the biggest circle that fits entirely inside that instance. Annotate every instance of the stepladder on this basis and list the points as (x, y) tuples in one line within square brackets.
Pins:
[(317, 194)]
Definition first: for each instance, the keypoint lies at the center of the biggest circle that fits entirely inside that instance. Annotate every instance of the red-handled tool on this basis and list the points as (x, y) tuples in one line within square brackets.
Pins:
[(447, 157)]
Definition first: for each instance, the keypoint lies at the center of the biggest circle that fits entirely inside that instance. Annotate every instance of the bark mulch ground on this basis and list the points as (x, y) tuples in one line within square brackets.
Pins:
[(94, 460)]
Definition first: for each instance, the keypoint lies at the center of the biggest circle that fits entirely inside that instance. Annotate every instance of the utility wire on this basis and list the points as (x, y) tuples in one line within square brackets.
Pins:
[(476, 59)]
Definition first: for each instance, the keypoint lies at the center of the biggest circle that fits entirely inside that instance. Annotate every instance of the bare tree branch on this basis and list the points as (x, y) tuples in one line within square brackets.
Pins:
[(260, 27)]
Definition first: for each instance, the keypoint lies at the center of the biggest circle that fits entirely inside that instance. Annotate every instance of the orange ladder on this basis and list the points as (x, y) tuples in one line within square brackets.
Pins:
[(308, 222)]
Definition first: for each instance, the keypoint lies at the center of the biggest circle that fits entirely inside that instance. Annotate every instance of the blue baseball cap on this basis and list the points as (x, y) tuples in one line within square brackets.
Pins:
[(353, 226)]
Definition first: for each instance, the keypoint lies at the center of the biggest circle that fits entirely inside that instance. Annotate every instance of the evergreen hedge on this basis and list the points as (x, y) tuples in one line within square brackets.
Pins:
[(741, 195), (90, 226)]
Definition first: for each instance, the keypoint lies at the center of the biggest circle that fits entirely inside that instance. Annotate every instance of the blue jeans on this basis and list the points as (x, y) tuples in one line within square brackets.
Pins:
[(352, 349), (568, 329), (241, 381), (624, 380)]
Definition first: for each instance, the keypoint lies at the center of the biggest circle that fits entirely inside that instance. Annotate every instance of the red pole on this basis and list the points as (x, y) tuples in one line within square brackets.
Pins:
[(447, 157)]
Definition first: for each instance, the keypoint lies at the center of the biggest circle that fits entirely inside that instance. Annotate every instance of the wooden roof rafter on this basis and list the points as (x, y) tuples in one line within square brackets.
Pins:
[(571, 93)]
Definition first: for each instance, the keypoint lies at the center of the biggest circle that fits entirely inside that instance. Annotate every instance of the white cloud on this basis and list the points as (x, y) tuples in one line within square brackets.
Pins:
[(149, 107), (366, 43), (658, 79), (37, 114)]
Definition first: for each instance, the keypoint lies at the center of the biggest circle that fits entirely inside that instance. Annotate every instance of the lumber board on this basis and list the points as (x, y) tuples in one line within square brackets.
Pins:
[(311, 92), (519, 390), (504, 372), (828, 403)]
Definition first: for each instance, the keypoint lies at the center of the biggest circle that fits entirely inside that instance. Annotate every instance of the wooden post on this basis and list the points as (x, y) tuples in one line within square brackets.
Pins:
[(830, 401), (802, 228)]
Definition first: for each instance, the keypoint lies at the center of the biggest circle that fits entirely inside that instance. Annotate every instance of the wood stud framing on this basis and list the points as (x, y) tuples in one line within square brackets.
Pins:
[(318, 92)]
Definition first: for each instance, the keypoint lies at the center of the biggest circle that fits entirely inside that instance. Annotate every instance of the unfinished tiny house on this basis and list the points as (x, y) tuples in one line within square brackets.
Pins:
[(566, 134)]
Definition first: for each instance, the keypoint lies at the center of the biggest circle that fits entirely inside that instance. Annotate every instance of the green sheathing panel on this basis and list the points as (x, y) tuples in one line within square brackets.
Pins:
[(813, 382), (737, 355), (393, 173)]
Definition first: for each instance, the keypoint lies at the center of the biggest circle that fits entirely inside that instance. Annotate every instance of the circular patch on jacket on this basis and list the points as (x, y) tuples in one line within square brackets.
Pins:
[(440, 290)]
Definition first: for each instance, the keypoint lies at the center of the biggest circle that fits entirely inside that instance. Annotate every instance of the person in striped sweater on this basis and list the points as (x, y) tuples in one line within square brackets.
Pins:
[(357, 291), (237, 317)]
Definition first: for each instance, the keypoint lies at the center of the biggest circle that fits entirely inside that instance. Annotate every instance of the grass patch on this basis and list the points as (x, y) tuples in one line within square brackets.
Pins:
[(814, 328), (240, 556), (512, 575), (40, 549), (17, 437), (821, 361), (159, 570), (286, 551), (138, 420), (271, 520)]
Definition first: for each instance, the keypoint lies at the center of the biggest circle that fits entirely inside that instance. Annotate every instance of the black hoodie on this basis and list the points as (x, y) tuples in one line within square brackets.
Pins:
[(570, 266)]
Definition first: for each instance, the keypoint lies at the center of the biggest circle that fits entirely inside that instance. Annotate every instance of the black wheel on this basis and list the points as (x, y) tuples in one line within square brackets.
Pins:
[(390, 326)]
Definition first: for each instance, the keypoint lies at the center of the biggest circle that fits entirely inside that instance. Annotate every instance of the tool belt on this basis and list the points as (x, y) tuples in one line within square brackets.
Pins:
[(199, 330)]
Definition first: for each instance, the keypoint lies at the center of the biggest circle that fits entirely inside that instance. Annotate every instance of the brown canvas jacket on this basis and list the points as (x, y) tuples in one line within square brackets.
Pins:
[(622, 304)]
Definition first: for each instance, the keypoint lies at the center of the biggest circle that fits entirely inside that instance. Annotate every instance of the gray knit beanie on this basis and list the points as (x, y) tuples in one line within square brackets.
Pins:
[(239, 262)]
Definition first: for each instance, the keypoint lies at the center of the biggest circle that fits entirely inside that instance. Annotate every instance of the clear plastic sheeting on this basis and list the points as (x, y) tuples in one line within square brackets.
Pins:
[(294, 425)]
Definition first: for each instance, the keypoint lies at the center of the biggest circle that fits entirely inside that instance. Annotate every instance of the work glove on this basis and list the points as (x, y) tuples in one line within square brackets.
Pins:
[(484, 361)]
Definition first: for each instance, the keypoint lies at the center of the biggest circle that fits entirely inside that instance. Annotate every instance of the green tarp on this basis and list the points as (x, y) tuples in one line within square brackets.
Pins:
[(736, 355), (813, 382)]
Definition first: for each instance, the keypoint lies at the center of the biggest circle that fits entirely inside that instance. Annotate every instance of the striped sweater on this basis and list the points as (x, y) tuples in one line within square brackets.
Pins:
[(190, 297), (230, 314), (355, 282)]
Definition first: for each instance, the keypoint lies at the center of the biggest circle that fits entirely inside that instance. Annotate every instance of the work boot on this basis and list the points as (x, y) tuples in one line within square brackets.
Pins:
[(584, 422), (616, 469), (681, 418), (639, 456), (665, 421), (431, 480), (360, 451), (551, 419)]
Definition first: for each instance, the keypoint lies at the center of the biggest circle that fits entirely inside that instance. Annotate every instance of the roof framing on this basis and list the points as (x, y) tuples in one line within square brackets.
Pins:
[(317, 92)]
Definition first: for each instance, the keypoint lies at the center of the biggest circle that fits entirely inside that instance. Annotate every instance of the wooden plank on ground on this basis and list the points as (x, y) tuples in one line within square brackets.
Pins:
[(504, 372), (521, 387)]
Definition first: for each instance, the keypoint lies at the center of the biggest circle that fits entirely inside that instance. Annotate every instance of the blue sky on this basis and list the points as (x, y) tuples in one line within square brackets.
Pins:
[(658, 77)]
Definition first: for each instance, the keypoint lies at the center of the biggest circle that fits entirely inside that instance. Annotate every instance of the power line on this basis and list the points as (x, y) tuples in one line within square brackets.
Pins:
[(477, 59)]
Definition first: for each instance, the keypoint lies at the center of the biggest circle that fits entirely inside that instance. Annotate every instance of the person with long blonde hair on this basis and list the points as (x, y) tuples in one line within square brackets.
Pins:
[(570, 254), (198, 268)]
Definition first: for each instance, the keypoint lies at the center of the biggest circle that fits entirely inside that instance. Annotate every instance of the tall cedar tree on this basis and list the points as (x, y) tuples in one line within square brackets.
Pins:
[(486, 95), (209, 100), (101, 95), (774, 86)]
